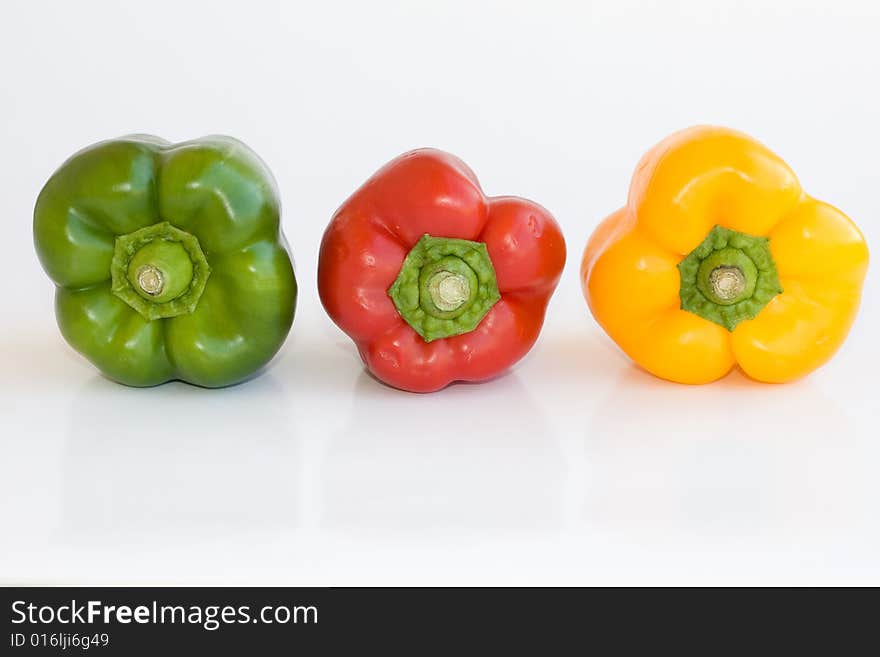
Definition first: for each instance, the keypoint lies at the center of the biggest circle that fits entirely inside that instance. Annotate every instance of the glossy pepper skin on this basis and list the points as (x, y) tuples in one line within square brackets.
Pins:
[(168, 260), (688, 313), (421, 231)]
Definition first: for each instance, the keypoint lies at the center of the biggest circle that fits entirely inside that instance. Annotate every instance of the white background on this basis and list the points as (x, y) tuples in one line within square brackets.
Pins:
[(576, 468)]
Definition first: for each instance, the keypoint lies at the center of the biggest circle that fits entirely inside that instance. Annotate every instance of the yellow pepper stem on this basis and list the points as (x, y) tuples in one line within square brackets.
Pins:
[(729, 277)]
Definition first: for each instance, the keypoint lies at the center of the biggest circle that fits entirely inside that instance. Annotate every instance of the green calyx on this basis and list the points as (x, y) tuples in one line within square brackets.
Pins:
[(729, 277), (160, 271), (445, 287)]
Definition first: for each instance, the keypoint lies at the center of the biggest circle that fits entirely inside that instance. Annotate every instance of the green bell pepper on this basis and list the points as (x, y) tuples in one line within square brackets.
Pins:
[(169, 260)]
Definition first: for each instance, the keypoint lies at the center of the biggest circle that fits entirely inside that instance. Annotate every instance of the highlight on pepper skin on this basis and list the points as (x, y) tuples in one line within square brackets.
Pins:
[(432, 280), (168, 259), (720, 260)]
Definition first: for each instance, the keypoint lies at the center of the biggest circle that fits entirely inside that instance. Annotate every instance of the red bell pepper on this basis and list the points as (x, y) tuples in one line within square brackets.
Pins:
[(434, 281)]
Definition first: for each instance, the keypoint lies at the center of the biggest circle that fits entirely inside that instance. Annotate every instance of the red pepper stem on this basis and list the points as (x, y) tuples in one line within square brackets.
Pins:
[(448, 290), (445, 287)]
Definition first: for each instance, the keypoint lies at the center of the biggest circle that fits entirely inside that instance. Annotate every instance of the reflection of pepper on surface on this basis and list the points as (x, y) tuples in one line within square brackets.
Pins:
[(720, 259), (150, 482), (434, 281), (168, 259), (403, 479)]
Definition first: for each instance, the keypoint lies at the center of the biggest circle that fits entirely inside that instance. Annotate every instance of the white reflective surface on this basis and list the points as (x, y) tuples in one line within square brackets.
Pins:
[(576, 467)]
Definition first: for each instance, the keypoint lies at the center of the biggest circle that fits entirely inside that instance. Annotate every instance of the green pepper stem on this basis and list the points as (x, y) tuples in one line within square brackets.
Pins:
[(150, 280), (160, 271)]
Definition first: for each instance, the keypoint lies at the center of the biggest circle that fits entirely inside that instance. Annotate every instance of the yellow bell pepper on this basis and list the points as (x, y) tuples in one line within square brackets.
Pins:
[(719, 259)]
